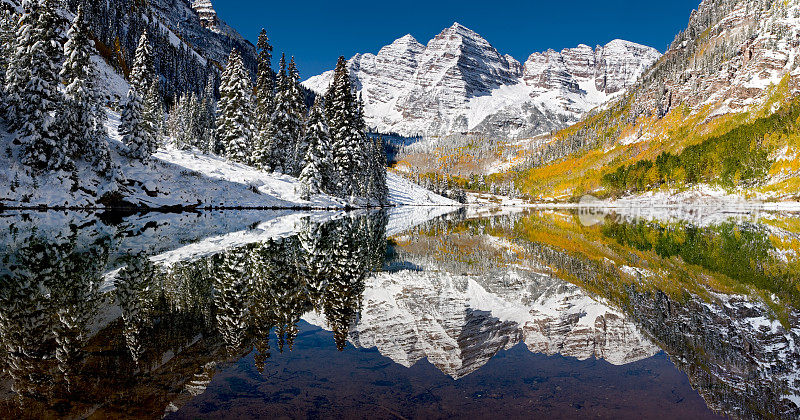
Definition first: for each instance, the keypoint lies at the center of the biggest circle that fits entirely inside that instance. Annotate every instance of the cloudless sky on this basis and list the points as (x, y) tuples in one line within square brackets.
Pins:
[(317, 32)]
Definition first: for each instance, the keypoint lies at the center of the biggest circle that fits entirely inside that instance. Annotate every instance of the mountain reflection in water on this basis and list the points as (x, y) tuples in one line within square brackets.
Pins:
[(523, 314)]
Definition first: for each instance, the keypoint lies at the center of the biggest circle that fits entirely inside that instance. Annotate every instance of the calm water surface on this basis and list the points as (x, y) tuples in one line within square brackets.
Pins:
[(320, 315)]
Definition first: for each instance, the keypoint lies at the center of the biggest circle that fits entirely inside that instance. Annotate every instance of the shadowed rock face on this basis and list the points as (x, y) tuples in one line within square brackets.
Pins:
[(455, 84)]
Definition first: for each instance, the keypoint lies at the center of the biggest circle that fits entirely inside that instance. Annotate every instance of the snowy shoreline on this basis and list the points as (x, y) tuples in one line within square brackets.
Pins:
[(698, 199)]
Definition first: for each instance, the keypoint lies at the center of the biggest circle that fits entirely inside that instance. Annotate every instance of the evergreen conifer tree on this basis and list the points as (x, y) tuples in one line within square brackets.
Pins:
[(177, 124), (265, 104), (209, 117), (35, 101), (8, 24), (341, 109), (378, 178), (19, 63), (142, 73), (84, 116), (282, 123), (234, 125), (132, 129), (298, 109), (153, 112), (194, 115), (316, 173), (140, 120)]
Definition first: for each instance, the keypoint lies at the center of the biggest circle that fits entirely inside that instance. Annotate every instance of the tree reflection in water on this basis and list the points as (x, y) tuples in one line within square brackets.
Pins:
[(89, 327), (67, 351)]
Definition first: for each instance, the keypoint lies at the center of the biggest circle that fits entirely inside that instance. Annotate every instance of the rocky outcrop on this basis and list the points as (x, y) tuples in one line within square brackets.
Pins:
[(197, 23), (726, 60), (459, 83), (207, 14)]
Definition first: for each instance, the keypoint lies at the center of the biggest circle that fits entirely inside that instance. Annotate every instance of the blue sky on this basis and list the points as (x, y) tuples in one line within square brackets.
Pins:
[(317, 32)]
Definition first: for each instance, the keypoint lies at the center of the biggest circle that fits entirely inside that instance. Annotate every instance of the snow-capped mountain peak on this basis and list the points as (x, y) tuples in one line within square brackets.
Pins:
[(459, 82)]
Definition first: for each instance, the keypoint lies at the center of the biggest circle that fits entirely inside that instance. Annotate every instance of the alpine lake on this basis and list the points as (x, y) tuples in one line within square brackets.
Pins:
[(400, 313)]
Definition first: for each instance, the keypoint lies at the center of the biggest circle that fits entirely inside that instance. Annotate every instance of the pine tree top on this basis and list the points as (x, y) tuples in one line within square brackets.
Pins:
[(264, 47), (292, 71), (143, 73)]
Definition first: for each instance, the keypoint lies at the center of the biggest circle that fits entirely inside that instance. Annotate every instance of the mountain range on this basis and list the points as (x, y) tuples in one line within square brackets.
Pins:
[(460, 83)]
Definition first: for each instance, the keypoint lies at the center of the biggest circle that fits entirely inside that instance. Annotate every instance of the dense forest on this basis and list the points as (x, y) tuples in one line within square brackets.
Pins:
[(56, 103)]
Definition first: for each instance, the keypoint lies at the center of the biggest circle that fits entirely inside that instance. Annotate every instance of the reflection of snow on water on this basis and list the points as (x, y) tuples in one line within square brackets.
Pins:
[(699, 213)]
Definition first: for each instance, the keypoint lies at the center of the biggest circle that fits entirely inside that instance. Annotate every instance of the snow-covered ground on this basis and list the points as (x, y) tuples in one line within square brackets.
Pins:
[(704, 197), (403, 192), (176, 178), (701, 205), (272, 225)]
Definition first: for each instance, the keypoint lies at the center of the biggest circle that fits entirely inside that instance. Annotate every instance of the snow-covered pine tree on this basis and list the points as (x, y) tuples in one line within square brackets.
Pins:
[(153, 113), (209, 116), (34, 100), (142, 73), (18, 69), (8, 25), (381, 190), (132, 129), (265, 104), (194, 115), (316, 174), (282, 123), (347, 141), (84, 116), (139, 120), (298, 107), (177, 124), (234, 125), (366, 161)]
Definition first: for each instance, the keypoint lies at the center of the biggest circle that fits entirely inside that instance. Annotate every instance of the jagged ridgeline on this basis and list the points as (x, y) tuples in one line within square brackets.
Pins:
[(716, 88), (84, 319)]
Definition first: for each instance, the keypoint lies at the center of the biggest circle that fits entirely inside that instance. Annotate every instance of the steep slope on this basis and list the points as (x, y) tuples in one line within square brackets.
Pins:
[(187, 48), (459, 83), (732, 68), (197, 22)]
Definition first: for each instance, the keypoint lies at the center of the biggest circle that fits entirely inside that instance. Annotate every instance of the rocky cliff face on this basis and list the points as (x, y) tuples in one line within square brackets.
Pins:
[(459, 83), (197, 22), (727, 59), (207, 14), (610, 68)]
